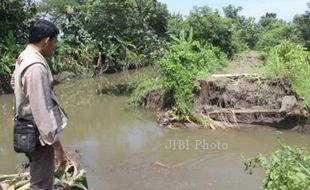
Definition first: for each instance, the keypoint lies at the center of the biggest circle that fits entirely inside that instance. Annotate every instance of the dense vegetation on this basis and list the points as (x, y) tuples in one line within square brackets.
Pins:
[(289, 60), (96, 35), (286, 168), (106, 36), (15, 16)]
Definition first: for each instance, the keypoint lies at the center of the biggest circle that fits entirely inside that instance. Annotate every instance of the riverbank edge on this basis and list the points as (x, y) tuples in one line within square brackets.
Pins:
[(227, 101), (67, 76)]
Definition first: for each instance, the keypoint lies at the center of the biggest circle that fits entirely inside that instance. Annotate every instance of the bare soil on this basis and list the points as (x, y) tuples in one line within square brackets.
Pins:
[(252, 101)]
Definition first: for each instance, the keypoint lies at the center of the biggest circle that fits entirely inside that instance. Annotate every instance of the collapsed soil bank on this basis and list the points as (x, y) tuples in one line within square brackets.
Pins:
[(244, 99)]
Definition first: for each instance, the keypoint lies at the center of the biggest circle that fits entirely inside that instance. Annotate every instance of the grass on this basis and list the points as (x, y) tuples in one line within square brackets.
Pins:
[(289, 60)]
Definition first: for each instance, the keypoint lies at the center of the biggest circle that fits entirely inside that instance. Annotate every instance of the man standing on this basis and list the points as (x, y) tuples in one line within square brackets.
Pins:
[(35, 100)]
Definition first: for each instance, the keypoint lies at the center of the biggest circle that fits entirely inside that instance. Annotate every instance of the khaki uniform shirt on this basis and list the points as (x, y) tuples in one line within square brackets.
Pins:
[(34, 97)]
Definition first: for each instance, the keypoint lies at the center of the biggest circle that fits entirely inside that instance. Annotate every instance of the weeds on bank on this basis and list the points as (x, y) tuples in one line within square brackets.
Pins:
[(144, 86), (288, 168), (291, 61)]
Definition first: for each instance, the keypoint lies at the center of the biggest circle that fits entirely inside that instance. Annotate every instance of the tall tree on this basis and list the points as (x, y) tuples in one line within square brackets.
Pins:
[(301, 23), (210, 27), (232, 12), (271, 31), (15, 16)]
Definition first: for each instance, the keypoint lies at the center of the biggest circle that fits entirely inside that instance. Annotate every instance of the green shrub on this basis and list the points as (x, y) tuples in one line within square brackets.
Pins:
[(9, 50), (289, 60), (271, 37), (286, 169), (180, 67), (78, 59), (210, 27)]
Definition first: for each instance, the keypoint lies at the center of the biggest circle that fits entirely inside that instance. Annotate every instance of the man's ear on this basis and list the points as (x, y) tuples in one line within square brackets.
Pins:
[(46, 40)]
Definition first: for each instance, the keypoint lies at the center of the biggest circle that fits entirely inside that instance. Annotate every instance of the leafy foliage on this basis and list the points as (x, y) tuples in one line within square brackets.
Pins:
[(122, 34), (272, 31), (289, 60), (244, 34), (231, 34), (301, 25), (15, 16), (232, 12), (129, 28), (175, 24), (209, 27), (8, 52), (287, 168), (183, 62), (77, 59), (58, 10)]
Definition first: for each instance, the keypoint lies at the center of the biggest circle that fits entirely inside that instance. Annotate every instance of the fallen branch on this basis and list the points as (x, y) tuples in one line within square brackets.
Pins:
[(235, 75), (12, 176), (24, 187), (209, 120), (216, 124)]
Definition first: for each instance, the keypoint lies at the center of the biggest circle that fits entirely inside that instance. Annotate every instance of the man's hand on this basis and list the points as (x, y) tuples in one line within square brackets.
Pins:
[(60, 155)]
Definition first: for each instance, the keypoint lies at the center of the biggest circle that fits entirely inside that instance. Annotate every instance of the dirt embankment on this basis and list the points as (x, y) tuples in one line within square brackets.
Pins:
[(243, 95), (252, 101)]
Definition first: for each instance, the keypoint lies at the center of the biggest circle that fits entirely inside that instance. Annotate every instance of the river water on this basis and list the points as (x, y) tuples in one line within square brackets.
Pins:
[(126, 149)]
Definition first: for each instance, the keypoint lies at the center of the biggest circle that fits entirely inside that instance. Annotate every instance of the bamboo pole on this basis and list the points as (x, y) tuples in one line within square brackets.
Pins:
[(235, 75), (244, 111)]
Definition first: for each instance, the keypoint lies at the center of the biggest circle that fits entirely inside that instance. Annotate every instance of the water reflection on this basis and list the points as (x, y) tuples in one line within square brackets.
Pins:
[(135, 136)]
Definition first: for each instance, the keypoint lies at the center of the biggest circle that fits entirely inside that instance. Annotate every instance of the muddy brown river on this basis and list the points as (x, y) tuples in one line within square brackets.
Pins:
[(126, 149)]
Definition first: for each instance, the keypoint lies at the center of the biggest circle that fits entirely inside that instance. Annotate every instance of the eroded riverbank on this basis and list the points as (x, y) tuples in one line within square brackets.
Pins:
[(238, 93)]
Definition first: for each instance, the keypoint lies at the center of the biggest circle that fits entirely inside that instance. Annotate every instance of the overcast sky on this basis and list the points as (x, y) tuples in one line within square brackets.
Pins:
[(285, 9)]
